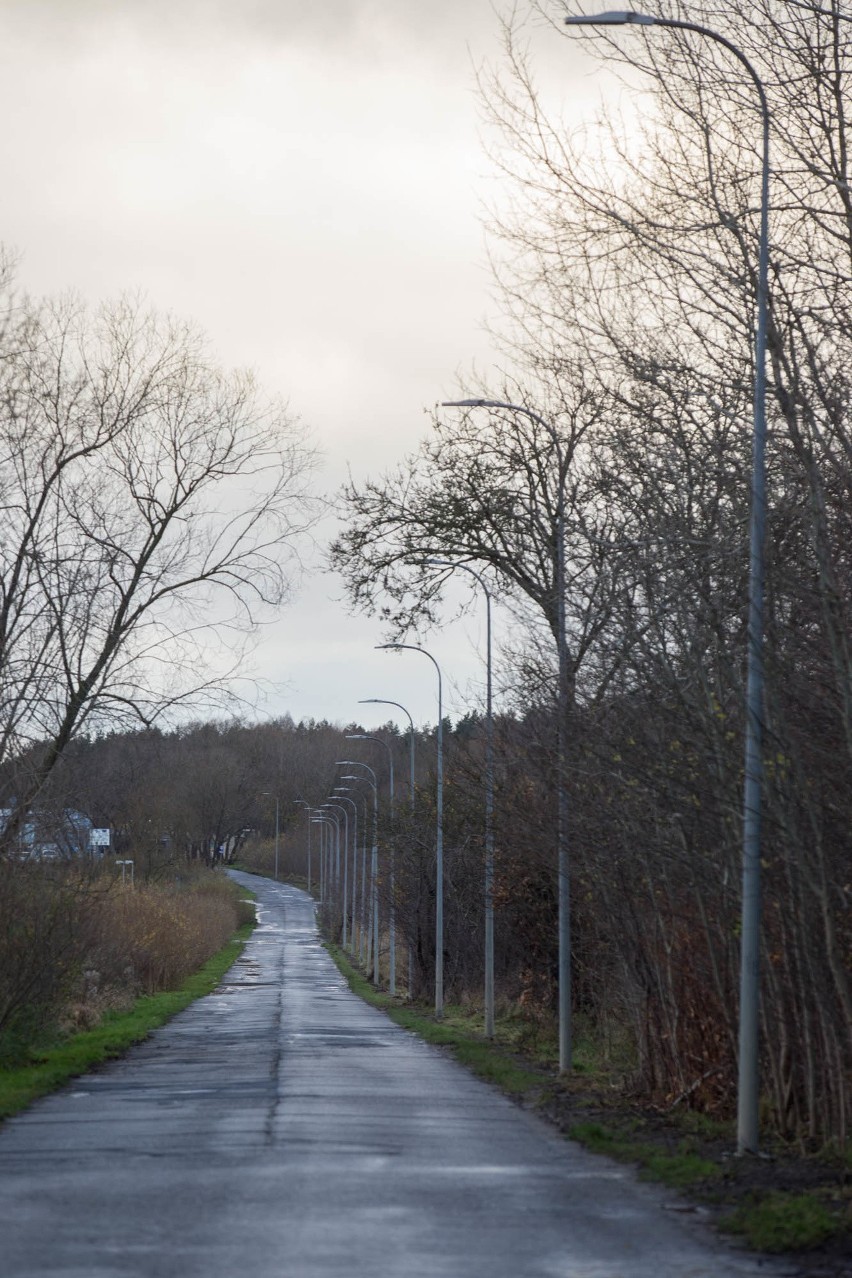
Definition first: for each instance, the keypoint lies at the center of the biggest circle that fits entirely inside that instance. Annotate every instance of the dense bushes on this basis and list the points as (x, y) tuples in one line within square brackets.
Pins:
[(76, 942)]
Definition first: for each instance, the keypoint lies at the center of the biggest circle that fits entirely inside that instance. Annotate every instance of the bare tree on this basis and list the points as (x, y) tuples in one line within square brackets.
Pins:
[(151, 508)]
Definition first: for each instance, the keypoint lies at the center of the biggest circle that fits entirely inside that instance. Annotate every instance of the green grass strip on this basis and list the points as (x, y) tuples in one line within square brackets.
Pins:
[(116, 1033), (485, 1059), (781, 1222), (678, 1170)]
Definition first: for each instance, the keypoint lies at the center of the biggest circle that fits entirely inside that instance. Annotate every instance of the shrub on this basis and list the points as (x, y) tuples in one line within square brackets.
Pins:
[(75, 942)]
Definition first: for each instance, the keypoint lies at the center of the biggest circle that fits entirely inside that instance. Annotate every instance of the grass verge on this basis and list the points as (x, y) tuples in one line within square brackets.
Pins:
[(781, 1204), (782, 1222), (679, 1169), (115, 1034)]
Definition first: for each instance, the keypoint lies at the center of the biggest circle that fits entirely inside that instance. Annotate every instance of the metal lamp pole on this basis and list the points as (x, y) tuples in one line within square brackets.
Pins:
[(344, 792), (334, 866), (489, 797), (308, 810), (748, 1092), (333, 869), (439, 840), (374, 857), (323, 822), (337, 793), (380, 701), (564, 883), (345, 812), (360, 736)]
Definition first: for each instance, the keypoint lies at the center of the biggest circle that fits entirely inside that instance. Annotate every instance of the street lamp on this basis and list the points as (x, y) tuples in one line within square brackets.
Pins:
[(380, 701), (339, 790), (333, 868), (324, 822), (360, 736), (563, 881), (333, 849), (345, 812), (309, 811), (374, 857), (439, 839), (489, 797), (748, 1093), (337, 793)]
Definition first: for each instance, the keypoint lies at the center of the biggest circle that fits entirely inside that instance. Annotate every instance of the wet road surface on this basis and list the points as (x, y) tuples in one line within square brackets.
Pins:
[(281, 1127)]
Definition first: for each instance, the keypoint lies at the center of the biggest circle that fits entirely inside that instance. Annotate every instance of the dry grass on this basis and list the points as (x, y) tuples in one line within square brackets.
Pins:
[(76, 943)]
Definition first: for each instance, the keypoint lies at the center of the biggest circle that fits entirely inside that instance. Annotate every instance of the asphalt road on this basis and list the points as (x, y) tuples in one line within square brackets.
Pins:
[(281, 1127)]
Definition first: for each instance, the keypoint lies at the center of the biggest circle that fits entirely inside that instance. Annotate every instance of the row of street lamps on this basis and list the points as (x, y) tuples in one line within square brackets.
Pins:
[(748, 1081), (749, 984)]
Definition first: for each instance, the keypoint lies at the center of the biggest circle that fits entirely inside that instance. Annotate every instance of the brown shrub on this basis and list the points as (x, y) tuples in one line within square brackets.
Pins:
[(76, 942)]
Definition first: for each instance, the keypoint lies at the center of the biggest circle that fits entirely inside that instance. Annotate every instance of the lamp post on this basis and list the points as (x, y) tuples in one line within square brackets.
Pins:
[(345, 792), (365, 925), (563, 880), (380, 701), (360, 736), (439, 837), (748, 1091), (489, 796), (334, 864), (308, 810), (374, 858), (337, 793), (323, 821), (345, 812), (332, 876)]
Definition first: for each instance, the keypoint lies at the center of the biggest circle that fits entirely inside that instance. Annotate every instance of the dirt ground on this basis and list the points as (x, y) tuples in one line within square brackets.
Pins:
[(778, 1169)]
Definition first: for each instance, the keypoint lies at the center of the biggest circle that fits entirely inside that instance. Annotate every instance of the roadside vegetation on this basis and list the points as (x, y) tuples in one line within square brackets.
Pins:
[(90, 965), (788, 1201)]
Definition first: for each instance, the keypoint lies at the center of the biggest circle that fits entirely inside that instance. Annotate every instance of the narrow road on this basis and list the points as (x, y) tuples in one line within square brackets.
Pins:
[(281, 1127)]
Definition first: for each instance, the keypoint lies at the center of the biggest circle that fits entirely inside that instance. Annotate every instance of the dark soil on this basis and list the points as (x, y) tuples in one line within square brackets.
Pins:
[(780, 1168)]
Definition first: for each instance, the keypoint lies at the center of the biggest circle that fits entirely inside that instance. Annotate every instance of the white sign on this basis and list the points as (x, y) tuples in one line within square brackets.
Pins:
[(100, 838)]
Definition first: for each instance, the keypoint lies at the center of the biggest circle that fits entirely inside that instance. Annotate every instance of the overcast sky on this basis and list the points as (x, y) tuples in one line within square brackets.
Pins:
[(306, 181)]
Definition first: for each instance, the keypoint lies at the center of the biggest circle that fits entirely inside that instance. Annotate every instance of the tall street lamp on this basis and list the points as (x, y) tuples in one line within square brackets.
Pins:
[(333, 867), (345, 812), (324, 822), (380, 701), (563, 881), (374, 858), (347, 790), (309, 811), (360, 736), (748, 1093), (489, 797), (439, 836), (339, 794)]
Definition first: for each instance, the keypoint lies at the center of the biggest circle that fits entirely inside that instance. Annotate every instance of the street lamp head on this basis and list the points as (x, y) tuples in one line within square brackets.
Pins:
[(388, 645), (464, 403), (611, 18), (357, 736)]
